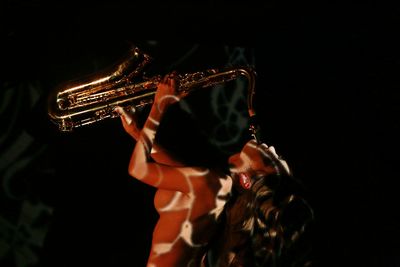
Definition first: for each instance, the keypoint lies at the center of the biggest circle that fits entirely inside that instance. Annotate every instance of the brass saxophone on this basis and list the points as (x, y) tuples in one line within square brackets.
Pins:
[(83, 104)]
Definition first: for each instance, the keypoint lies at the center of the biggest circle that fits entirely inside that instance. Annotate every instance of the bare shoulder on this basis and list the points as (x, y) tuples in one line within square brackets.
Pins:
[(212, 180)]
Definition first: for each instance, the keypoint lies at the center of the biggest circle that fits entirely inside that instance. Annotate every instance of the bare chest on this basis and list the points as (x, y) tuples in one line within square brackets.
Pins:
[(168, 201)]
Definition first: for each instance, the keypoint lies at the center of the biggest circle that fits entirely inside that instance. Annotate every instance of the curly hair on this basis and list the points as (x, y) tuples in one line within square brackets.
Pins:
[(266, 226)]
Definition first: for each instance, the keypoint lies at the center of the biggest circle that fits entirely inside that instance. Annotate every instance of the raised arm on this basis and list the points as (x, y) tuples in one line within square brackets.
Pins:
[(156, 174), (158, 153)]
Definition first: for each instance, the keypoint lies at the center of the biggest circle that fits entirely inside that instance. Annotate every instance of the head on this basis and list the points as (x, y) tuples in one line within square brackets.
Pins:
[(255, 161), (266, 215)]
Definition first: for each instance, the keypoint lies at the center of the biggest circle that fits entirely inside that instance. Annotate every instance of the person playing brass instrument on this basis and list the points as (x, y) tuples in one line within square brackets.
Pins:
[(252, 214)]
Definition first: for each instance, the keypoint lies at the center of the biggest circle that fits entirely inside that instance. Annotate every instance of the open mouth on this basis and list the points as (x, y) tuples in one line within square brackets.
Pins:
[(245, 180)]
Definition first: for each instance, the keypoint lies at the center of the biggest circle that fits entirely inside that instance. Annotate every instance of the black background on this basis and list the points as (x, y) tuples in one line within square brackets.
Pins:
[(329, 83)]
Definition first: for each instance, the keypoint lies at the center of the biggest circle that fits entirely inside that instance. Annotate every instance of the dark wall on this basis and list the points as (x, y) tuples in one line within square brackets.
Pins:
[(327, 99)]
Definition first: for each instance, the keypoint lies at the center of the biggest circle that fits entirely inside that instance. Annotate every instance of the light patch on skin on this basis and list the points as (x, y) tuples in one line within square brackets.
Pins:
[(243, 166), (155, 122), (177, 203), (267, 152), (246, 159), (154, 150), (270, 151), (186, 230), (201, 173), (162, 248), (186, 233), (149, 133), (226, 187), (166, 97)]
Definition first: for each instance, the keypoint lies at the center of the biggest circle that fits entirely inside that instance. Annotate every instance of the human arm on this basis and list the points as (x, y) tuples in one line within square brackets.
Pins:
[(153, 173), (158, 153)]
